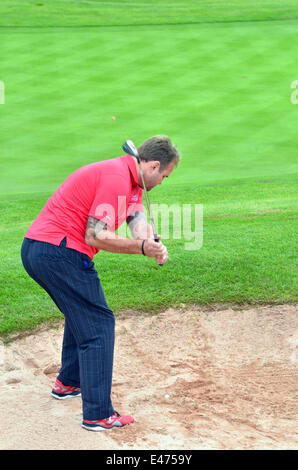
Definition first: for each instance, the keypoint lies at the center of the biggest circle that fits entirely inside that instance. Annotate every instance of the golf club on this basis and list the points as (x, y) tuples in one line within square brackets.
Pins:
[(129, 147)]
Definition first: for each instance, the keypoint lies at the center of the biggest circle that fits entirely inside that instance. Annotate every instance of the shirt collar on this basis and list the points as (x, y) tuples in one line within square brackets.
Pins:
[(132, 168)]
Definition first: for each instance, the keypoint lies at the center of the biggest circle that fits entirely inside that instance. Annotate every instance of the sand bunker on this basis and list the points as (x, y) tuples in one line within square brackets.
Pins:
[(194, 379)]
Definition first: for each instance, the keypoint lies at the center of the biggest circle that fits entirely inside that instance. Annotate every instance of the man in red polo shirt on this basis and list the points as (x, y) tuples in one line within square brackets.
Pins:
[(79, 220)]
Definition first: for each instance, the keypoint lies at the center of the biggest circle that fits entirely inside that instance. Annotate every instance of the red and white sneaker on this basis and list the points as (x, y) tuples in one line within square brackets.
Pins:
[(61, 391), (114, 421)]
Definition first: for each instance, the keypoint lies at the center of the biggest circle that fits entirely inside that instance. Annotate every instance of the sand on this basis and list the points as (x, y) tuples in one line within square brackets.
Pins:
[(192, 379)]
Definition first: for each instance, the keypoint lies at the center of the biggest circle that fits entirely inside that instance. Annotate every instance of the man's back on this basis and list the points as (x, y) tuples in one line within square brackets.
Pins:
[(96, 185)]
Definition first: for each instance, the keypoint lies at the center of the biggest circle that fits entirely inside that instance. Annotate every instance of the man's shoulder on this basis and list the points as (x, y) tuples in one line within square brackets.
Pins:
[(116, 165), (112, 174)]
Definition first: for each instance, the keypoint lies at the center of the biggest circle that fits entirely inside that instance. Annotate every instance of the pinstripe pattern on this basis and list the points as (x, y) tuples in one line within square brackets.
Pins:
[(88, 342)]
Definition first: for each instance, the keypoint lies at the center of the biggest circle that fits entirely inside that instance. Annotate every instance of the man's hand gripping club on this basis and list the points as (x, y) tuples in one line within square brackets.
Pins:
[(156, 250)]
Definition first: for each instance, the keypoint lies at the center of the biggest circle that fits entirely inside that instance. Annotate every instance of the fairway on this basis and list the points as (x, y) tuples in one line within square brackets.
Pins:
[(220, 89), (213, 333)]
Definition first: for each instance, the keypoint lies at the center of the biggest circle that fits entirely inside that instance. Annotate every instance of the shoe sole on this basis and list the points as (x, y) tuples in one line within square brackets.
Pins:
[(96, 428), (65, 396), (102, 428)]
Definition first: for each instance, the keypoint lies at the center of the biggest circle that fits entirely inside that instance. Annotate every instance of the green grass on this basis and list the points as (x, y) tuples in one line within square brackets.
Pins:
[(65, 13), (220, 87)]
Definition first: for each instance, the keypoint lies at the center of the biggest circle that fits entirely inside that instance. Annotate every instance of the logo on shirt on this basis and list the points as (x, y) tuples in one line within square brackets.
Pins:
[(134, 197)]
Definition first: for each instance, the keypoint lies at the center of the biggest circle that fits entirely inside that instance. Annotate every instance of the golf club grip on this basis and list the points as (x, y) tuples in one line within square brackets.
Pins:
[(157, 241)]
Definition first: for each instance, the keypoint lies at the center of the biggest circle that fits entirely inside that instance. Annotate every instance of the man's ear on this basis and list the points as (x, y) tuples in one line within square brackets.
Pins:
[(155, 164)]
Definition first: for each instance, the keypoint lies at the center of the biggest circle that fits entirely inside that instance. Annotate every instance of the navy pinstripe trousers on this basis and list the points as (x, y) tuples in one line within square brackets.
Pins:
[(69, 277)]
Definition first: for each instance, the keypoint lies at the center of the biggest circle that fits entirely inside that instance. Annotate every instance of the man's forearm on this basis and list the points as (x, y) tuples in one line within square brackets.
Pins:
[(109, 241), (98, 235)]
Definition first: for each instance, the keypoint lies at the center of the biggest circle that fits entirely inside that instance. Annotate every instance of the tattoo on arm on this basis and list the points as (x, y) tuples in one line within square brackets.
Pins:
[(134, 219), (94, 226)]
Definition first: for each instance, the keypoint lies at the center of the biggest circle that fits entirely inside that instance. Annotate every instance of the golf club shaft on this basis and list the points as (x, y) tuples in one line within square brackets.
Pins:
[(130, 148), (148, 204)]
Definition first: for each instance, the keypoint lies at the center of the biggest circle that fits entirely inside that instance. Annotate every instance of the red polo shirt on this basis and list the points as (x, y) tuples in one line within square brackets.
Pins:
[(106, 190)]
